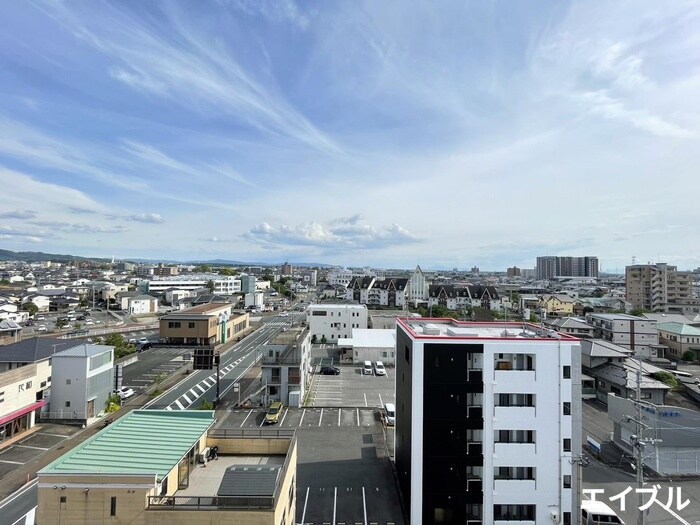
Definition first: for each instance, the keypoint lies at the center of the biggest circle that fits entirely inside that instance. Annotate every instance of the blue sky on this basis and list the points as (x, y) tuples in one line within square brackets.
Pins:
[(448, 134)]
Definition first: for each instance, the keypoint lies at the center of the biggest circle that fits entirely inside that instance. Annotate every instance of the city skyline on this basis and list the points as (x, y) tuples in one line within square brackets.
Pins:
[(380, 134)]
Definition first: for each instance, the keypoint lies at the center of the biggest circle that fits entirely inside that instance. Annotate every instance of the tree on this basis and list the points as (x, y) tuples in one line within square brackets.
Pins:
[(688, 355), (313, 339), (268, 277), (202, 269), (210, 285), (228, 271), (206, 405), (113, 403), (667, 378), (61, 322), (30, 307)]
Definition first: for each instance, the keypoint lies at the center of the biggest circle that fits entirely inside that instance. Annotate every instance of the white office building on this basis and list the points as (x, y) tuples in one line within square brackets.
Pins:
[(488, 423), (330, 321)]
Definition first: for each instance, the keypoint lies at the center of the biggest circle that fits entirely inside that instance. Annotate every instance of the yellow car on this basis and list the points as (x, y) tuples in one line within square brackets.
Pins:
[(273, 413)]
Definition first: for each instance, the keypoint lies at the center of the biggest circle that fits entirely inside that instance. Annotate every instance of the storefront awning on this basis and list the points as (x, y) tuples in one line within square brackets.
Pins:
[(22, 411)]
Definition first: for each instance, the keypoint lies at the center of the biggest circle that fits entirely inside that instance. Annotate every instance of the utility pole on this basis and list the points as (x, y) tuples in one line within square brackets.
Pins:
[(639, 447)]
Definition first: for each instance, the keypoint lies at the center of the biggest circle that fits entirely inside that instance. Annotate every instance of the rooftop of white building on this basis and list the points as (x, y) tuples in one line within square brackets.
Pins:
[(451, 329)]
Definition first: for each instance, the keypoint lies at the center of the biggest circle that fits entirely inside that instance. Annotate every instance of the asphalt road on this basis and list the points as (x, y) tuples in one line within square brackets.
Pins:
[(201, 384)]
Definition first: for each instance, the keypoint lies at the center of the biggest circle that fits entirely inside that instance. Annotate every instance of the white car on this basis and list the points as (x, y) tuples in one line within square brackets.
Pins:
[(143, 340), (132, 341), (284, 314), (379, 369), (41, 328), (124, 393)]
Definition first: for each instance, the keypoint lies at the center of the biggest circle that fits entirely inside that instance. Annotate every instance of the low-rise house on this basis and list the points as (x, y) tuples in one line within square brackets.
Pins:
[(10, 332), (558, 304), (679, 339), (570, 325), (142, 305), (146, 468), (286, 367)]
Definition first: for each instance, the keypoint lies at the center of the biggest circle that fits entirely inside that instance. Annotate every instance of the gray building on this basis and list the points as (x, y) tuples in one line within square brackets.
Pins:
[(675, 448), (637, 334), (286, 367), (247, 284), (82, 380)]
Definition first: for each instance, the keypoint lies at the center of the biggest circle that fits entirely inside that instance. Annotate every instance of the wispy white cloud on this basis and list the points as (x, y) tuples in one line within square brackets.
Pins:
[(192, 70), (149, 218), (283, 12), (338, 236), (18, 214)]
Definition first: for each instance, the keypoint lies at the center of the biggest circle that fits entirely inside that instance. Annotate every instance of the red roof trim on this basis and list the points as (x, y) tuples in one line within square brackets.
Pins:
[(22, 411)]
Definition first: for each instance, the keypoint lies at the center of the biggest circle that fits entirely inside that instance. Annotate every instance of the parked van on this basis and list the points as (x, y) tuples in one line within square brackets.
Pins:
[(597, 512), (367, 369), (379, 369), (389, 414)]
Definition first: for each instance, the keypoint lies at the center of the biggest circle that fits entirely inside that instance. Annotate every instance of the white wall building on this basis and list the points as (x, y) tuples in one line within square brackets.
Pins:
[(635, 333), (371, 345), (340, 277), (488, 423), (286, 367), (142, 305), (418, 286), (256, 299), (82, 380), (223, 285), (334, 320)]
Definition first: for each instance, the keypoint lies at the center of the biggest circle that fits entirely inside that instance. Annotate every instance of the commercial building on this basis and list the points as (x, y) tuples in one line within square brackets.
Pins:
[(370, 345), (329, 322), (203, 324), (223, 285), (149, 468), (286, 367), (488, 423), (660, 288), (637, 334), (25, 380), (550, 266)]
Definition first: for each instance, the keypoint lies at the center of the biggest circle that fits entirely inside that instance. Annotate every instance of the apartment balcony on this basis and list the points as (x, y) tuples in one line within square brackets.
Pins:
[(520, 414), (475, 485), (515, 452), (513, 486), (515, 378)]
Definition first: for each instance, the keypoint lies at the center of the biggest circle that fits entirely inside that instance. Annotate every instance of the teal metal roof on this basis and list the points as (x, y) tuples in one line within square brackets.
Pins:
[(678, 329), (143, 442)]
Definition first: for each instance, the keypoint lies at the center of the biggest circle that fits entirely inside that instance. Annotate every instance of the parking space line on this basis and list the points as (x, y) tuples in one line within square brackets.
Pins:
[(246, 418), (12, 462), (286, 411), (381, 403), (54, 435), (364, 394), (29, 446), (306, 500), (303, 413), (364, 504), (319, 424), (335, 500), (358, 416), (262, 422)]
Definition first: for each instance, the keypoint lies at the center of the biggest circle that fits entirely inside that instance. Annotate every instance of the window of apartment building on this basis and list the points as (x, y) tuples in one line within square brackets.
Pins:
[(514, 512), (515, 400), (514, 473), (190, 325), (514, 436), (566, 518), (567, 481), (406, 354), (567, 372), (68, 381), (566, 408), (113, 506), (174, 324), (567, 444), (67, 404)]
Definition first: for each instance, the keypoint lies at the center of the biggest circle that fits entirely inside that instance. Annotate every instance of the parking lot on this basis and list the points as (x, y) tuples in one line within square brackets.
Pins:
[(344, 474), (351, 388), (33, 446)]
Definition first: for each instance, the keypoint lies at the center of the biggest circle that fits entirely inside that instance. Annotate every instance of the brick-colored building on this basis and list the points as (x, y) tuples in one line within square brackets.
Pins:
[(202, 324)]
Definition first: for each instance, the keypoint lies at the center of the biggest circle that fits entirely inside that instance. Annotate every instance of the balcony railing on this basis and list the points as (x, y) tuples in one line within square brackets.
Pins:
[(210, 503)]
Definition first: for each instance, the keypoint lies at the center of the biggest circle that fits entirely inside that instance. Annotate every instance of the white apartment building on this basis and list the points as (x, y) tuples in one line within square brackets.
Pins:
[(340, 277), (488, 423), (333, 320), (223, 285), (286, 367), (628, 331), (418, 286)]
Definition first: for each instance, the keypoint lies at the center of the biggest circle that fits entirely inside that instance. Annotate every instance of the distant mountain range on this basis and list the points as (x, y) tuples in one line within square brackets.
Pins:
[(7, 255)]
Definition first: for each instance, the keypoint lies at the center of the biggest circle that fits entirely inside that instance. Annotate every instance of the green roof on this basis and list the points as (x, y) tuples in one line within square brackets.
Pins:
[(678, 329), (143, 442)]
